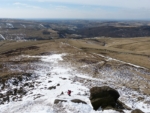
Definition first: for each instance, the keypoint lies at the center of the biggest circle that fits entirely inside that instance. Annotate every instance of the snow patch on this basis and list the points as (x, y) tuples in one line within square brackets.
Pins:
[(1, 36), (9, 25), (41, 25), (109, 59)]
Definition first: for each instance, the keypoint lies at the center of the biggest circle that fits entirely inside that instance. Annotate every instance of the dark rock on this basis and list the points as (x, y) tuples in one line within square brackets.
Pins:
[(121, 105), (98, 92), (118, 107), (63, 78), (62, 93), (15, 91), (37, 96), (49, 81), (9, 92), (140, 98), (103, 102), (1, 95), (103, 97), (6, 98), (14, 98), (26, 84), (27, 74), (58, 84), (52, 87), (1, 102), (15, 82), (78, 101), (58, 101), (31, 85), (21, 91), (19, 78), (137, 111)]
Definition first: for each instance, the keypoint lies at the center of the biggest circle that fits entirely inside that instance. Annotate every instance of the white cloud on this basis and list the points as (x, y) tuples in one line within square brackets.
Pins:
[(133, 9), (114, 3), (74, 13), (25, 5)]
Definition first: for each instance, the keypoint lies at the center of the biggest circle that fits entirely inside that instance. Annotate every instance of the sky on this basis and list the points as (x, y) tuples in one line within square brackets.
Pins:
[(76, 9)]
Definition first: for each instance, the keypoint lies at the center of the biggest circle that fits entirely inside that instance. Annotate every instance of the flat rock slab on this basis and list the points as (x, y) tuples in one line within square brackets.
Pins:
[(78, 101)]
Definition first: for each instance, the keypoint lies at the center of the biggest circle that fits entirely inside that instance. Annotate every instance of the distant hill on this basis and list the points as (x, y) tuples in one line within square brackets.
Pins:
[(112, 31)]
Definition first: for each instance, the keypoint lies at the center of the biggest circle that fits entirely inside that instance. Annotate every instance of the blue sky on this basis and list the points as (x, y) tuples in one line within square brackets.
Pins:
[(78, 9)]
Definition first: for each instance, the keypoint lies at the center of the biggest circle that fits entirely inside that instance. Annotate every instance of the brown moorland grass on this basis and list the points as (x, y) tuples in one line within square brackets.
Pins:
[(80, 53), (13, 45), (140, 55), (86, 47)]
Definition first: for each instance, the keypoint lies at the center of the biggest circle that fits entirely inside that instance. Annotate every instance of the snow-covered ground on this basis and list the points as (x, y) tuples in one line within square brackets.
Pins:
[(55, 77), (9, 25)]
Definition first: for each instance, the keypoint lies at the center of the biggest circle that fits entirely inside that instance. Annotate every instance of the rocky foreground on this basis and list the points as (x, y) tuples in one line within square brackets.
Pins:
[(43, 89)]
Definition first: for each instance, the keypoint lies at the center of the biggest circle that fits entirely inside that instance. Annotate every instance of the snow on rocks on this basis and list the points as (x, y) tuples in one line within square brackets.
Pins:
[(54, 79), (50, 74)]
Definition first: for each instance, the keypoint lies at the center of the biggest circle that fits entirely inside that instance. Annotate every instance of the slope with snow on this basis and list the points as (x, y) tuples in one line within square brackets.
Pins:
[(54, 76)]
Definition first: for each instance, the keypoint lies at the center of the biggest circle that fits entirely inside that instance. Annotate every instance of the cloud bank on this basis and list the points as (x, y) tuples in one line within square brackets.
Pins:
[(78, 9)]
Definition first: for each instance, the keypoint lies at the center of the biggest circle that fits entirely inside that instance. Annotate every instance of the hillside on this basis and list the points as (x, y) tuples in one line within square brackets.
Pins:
[(13, 29), (41, 70)]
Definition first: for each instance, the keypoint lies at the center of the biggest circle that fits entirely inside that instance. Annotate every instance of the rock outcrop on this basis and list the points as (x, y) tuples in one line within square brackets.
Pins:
[(106, 98), (137, 111)]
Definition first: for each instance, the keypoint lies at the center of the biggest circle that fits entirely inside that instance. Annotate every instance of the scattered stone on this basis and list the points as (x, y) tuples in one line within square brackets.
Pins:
[(15, 98), (63, 78), (121, 105), (26, 84), (15, 82), (9, 92), (19, 78), (21, 91), (27, 74), (31, 86), (6, 98), (62, 93), (58, 101), (15, 91), (140, 98), (52, 87), (1, 95), (37, 96), (147, 102), (49, 81), (78, 101), (137, 111)]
